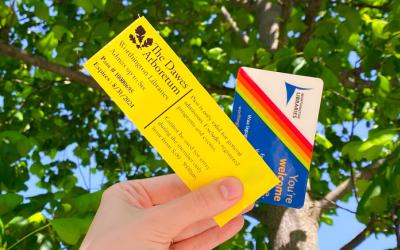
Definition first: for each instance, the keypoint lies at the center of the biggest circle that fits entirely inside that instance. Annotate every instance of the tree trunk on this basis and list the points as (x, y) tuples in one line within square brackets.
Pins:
[(268, 14), (290, 228)]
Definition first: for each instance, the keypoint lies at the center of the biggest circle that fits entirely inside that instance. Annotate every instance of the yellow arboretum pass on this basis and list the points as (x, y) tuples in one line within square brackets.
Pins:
[(152, 86)]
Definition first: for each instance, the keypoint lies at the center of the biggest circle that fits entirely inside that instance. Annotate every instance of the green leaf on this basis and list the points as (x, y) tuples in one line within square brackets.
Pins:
[(47, 43), (383, 86), (352, 16), (1, 229), (52, 153), (23, 147), (69, 182), (378, 29), (70, 230), (298, 64), (88, 202), (284, 58), (42, 10), (60, 30), (19, 116), (321, 140), (86, 5), (37, 169), (196, 41), (215, 53), (329, 77), (8, 202), (379, 137), (316, 47), (371, 148), (83, 154), (37, 218), (244, 18), (244, 55), (362, 186), (22, 144), (263, 56), (374, 201), (353, 40), (166, 31), (101, 30), (99, 4), (326, 219)]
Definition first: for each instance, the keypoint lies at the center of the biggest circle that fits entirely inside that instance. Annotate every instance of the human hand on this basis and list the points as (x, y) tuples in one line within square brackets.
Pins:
[(162, 213)]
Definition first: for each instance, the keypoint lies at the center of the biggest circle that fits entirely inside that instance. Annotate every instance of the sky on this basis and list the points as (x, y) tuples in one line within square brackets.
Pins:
[(345, 225), (331, 237)]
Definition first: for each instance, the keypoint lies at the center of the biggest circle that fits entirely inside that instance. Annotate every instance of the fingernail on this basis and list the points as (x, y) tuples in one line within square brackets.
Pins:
[(231, 188)]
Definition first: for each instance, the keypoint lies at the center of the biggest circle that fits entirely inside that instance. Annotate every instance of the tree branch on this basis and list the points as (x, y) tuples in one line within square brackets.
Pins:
[(244, 4), (73, 75), (286, 11), (346, 186), (397, 228), (227, 16), (372, 6), (42, 63), (396, 219), (351, 79), (313, 9), (357, 240), (268, 14)]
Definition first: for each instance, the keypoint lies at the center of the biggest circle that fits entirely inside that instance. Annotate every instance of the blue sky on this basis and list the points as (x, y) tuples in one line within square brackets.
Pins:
[(345, 225)]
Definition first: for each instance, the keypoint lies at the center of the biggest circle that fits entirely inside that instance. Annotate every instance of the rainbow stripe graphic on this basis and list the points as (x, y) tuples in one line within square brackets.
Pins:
[(284, 129)]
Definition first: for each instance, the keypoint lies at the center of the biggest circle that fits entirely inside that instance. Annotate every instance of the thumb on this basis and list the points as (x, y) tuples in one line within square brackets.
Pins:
[(202, 203)]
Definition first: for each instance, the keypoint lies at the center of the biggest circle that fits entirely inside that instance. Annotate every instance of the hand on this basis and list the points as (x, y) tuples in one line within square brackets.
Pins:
[(162, 213)]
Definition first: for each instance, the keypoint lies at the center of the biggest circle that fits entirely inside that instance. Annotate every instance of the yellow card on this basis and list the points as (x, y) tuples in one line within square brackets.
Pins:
[(152, 86)]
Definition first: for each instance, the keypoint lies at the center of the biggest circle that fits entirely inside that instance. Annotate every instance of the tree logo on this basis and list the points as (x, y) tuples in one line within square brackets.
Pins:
[(290, 89), (140, 40)]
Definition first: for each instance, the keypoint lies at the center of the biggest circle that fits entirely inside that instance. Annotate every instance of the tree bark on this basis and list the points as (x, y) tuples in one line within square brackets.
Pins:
[(71, 74), (291, 228), (356, 241), (268, 14), (288, 228)]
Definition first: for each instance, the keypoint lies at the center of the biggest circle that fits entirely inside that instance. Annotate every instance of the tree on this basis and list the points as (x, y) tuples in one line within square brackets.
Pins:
[(57, 127)]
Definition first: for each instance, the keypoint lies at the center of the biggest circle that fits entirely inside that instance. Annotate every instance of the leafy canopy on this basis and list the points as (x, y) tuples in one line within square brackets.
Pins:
[(61, 136)]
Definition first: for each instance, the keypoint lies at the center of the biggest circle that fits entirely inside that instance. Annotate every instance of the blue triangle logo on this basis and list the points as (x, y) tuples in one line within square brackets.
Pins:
[(290, 89)]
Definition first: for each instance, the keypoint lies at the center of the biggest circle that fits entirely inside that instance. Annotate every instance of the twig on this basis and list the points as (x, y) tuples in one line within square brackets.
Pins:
[(357, 240), (339, 206), (42, 63), (286, 10), (351, 79), (347, 185), (28, 235), (227, 16), (353, 125), (313, 9), (81, 173), (371, 6), (247, 4), (396, 219), (73, 75)]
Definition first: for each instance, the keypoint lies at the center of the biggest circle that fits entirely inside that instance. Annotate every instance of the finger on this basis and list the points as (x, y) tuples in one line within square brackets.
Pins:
[(248, 209), (160, 189), (203, 203), (212, 237), (201, 226), (195, 229)]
